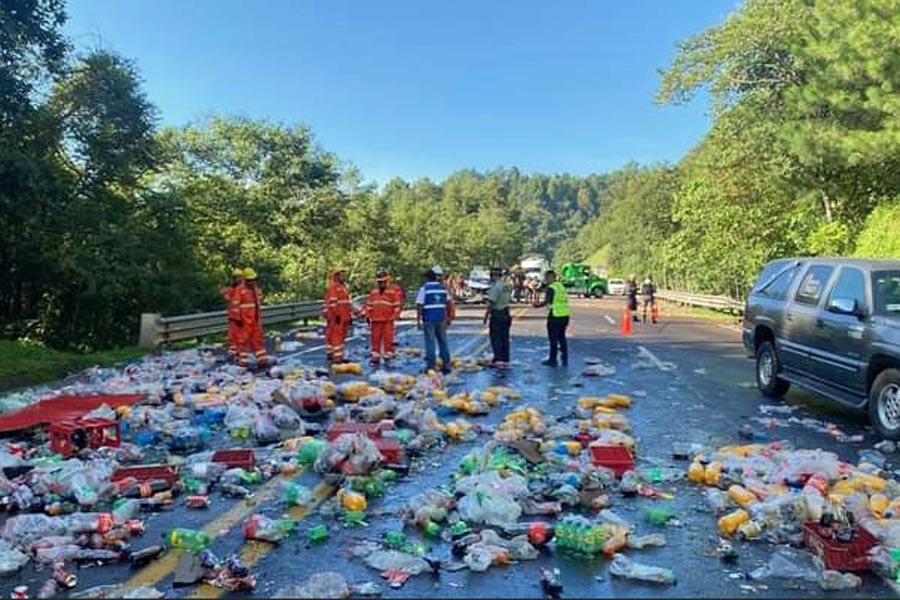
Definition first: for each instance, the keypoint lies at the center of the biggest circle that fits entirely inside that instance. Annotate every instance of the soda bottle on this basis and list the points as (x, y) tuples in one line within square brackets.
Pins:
[(318, 533), (188, 539), (729, 523), (741, 496), (250, 477), (750, 529), (259, 527), (459, 529), (90, 522), (235, 491), (394, 539), (878, 503), (197, 501), (537, 533), (713, 473), (297, 494), (697, 472), (629, 483), (353, 501), (431, 529), (309, 451), (145, 555)]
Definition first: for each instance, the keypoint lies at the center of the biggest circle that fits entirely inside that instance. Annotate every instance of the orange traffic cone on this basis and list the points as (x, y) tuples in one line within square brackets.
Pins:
[(626, 321)]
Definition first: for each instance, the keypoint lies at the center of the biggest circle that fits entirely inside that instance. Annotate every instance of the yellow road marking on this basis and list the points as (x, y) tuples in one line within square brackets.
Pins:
[(253, 552), (160, 569)]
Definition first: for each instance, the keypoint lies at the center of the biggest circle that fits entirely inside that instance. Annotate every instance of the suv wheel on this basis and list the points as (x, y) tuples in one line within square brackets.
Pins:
[(767, 368), (884, 404)]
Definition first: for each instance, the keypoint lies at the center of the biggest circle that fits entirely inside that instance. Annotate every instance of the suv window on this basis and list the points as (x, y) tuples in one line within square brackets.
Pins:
[(778, 287), (851, 283), (886, 292), (812, 284)]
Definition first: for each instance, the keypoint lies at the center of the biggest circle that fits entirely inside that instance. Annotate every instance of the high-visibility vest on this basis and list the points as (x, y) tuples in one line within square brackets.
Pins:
[(435, 306), (560, 305)]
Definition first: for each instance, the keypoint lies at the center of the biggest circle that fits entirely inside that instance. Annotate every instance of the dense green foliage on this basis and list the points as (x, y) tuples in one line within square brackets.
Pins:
[(802, 157), (105, 215)]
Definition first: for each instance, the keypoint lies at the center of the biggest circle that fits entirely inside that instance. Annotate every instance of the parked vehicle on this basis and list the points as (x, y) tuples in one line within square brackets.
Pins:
[(616, 287), (579, 279), (831, 326), (479, 281), (535, 266)]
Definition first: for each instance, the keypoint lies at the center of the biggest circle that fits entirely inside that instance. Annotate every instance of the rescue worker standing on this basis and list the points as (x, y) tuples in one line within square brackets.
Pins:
[(432, 316), (233, 304), (337, 316), (251, 318), (497, 312), (381, 311), (556, 299), (648, 296), (631, 292)]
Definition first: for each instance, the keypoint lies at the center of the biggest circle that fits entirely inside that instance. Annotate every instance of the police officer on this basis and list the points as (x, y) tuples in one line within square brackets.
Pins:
[(557, 301)]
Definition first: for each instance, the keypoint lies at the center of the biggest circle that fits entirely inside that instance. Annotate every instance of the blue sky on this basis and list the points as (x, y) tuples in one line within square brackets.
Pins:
[(416, 88)]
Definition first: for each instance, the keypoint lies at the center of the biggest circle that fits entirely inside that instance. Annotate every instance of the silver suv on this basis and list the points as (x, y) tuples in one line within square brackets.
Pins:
[(831, 326)]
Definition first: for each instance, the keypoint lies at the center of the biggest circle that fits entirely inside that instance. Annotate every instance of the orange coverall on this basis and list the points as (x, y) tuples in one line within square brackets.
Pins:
[(382, 311), (252, 339), (337, 319)]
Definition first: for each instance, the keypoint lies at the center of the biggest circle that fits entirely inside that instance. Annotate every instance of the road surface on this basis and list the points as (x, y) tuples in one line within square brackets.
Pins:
[(691, 382)]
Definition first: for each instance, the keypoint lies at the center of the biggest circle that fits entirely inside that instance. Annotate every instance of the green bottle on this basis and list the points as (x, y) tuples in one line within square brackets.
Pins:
[(354, 517), (250, 477), (658, 516), (309, 451), (431, 528), (460, 528), (188, 539), (394, 539), (317, 534), (296, 494)]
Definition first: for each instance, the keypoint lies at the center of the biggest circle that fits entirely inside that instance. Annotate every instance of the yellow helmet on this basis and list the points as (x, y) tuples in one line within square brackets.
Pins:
[(237, 272), (249, 273)]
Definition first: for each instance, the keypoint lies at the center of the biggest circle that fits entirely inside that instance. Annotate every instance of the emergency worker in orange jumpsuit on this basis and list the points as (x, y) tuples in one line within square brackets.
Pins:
[(251, 316), (338, 317), (233, 308), (382, 309)]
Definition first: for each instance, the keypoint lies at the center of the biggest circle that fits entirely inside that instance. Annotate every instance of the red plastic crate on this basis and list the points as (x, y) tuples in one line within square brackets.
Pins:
[(98, 433), (391, 451), (236, 458), (617, 458), (62, 408), (852, 556), (147, 473)]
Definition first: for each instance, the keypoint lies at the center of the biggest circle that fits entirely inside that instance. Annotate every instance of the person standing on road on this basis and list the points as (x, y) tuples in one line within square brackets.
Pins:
[(432, 316), (233, 303), (381, 310), (337, 317), (631, 292), (557, 300), (251, 318), (648, 297), (497, 311)]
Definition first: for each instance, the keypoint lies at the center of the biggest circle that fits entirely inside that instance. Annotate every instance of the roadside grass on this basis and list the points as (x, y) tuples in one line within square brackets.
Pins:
[(695, 311), (23, 363)]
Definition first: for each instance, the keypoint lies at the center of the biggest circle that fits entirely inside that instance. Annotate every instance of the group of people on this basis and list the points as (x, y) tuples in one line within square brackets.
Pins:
[(647, 292), (245, 333), (435, 311)]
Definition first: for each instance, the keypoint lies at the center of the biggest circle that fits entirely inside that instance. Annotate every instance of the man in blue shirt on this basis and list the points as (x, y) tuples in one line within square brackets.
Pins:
[(433, 317)]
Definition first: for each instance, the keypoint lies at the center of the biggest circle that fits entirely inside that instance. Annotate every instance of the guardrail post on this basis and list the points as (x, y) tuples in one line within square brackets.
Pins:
[(149, 333)]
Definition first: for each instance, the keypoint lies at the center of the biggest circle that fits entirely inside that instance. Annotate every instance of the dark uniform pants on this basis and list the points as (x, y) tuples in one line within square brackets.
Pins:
[(499, 329), (556, 331)]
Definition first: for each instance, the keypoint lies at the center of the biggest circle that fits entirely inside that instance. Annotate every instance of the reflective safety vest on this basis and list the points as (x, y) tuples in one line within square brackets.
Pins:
[(434, 307), (381, 306), (560, 305)]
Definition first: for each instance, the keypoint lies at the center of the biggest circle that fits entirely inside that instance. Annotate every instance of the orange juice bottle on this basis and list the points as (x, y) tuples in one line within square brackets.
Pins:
[(697, 472), (878, 503), (713, 473), (741, 496), (730, 523)]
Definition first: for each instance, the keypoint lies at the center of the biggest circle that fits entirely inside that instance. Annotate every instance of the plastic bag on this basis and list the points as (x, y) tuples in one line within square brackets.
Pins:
[(240, 417), (835, 580), (643, 541), (360, 453), (11, 559), (788, 564), (264, 429), (622, 566), (394, 560), (285, 418), (21, 530), (321, 585), (485, 505), (262, 528), (514, 485)]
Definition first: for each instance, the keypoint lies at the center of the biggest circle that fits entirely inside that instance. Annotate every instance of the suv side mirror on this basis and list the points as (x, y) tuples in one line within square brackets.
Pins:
[(845, 306)]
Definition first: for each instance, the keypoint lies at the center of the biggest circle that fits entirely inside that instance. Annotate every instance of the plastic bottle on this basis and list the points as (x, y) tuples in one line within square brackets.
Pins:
[(697, 473), (296, 494), (713, 473), (316, 534), (629, 483), (658, 515), (353, 501), (538, 533), (622, 566), (878, 503), (144, 556), (125, 510), (259, 527), (729, 523), (716, 499), (188, 539), (207, 471), (235, 491), (90, 522), (751, 529), (394, 539), (741, 496)]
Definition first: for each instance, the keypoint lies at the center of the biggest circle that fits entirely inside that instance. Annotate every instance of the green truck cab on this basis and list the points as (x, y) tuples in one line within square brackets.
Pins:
[(579, 279)]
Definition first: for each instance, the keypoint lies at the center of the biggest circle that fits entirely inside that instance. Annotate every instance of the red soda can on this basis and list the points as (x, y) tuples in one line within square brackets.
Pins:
[(63, 576), (105, 522), (20, 591), (134, 527), (197, 501), (537, 533)]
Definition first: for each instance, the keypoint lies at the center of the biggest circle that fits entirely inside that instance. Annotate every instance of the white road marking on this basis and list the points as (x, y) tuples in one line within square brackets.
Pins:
[(662, 366), (610, 319)]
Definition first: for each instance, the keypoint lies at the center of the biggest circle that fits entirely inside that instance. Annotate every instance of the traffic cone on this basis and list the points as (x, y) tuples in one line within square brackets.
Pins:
[(626, 321)]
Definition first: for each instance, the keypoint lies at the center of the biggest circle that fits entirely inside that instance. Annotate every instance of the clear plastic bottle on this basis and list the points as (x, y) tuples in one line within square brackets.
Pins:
[(624, 567), (188, 539)]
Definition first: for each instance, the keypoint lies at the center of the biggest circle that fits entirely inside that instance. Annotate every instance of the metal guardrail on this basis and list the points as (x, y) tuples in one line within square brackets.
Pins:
[(722, 303), (157, 329)]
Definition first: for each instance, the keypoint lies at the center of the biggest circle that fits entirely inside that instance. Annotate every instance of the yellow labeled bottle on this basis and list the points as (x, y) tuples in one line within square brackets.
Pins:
[(873, 483), (730, 523), (878, 503), (353, 501), (697, 473), (713, 473), (741, 496)]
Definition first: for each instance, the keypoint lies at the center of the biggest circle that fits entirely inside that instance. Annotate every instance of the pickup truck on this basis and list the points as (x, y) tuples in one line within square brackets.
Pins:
[(831, 326)]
